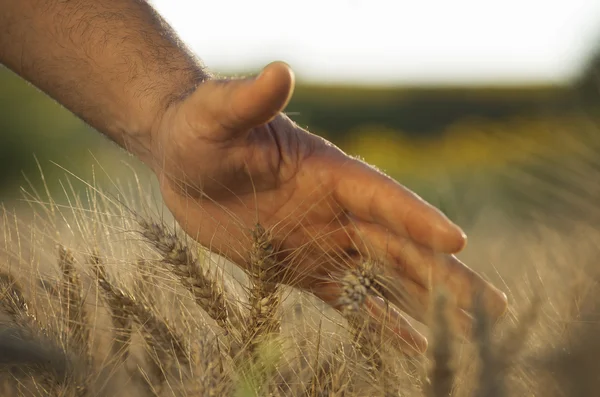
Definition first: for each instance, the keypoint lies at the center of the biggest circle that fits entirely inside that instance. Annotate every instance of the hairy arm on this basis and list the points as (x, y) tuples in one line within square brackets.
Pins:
[(114, 63)]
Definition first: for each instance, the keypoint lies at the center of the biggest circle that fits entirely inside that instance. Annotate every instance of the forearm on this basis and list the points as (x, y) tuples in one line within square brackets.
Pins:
[(114, 63)]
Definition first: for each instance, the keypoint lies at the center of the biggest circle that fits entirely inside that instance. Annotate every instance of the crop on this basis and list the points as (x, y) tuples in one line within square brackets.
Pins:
[(102, 294)]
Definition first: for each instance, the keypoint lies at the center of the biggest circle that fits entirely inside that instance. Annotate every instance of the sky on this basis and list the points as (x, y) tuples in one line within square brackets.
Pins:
[(387, 41)]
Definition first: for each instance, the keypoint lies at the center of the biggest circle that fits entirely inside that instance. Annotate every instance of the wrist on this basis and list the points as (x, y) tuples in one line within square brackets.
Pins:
[(148, 120)]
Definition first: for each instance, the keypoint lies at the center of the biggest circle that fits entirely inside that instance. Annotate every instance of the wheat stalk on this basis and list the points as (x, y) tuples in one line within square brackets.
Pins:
[(161, 339), (442, 372)]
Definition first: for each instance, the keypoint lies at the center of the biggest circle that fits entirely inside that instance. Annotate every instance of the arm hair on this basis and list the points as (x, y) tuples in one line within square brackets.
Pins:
[(114, 63)]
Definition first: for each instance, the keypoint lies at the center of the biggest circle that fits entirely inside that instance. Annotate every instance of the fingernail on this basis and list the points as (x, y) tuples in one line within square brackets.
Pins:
[(422, 345), (504, 305), (455, 238), (462, 234), (261, 74)]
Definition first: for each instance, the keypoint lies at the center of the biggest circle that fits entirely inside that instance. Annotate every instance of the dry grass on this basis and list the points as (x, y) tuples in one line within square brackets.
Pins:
[(129, 305)]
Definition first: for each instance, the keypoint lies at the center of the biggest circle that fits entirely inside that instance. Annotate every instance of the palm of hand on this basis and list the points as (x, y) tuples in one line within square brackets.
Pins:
[(228, 160)]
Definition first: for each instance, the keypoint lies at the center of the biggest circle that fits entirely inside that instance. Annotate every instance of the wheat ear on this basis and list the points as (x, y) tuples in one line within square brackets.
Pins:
[(357, 284), (12, 300), (157, 332), (73, 301), (264, 297), (121, 318), (27, 348), (184, 264)]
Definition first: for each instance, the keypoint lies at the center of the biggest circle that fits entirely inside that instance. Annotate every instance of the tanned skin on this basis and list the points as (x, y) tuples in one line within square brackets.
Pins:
[(226, 157)]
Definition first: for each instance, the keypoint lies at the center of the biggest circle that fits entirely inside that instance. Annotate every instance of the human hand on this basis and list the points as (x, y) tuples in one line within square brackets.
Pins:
[(227, 158)]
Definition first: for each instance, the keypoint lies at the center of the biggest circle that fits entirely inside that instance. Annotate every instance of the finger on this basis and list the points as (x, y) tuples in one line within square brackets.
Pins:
[(416, 301), (409, 338), (241, 104), (429, 269), (374, 197), (261, 100)]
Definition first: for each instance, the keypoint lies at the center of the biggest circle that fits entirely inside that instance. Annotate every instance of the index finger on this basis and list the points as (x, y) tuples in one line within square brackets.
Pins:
[(375, 197)]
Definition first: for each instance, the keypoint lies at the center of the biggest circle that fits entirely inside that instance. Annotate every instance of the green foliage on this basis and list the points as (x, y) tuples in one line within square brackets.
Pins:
[(429, 138), (32, 126), (420, 112)]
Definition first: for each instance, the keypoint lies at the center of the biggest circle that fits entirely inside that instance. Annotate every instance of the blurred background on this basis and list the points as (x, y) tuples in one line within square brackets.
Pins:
[(471, 104)]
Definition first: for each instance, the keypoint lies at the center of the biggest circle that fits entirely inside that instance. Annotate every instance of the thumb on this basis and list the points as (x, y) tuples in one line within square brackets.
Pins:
[(264, 97), (239, 105)]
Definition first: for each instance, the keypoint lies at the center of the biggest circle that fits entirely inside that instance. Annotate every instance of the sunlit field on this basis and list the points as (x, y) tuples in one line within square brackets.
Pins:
[(102, 294)]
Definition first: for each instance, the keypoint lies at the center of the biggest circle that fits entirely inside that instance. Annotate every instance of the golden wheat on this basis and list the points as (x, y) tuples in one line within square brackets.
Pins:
[(125, 315)]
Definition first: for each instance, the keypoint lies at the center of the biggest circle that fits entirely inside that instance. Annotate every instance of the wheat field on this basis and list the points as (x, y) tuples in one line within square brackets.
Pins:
[(102, 293)]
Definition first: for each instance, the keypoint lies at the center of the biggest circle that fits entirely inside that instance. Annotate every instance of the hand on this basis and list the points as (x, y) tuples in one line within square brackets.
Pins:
[(227, 158)]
